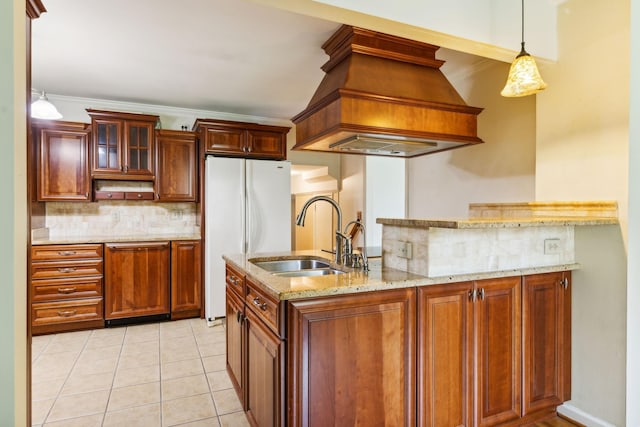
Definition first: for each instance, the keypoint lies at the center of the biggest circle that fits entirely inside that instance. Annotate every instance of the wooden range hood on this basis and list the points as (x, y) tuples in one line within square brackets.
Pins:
[(384, 95)]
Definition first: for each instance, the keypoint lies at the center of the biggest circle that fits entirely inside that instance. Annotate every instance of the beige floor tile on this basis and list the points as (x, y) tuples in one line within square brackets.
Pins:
[(212, 349), (140, 348), (174, 355), (142, 337), (53, 366), (236, 419), (139, 360), (209, 422), (100, 342), (108, 332), (219, 380), (79, 405), (71, 336), (46, 389), (182, 387), (135, 395), (215, 363), (210, 337), (133, 376), (99, 366), (139, 416), (182, 368), (77, 383), (88, 421), (187, 341), (40, 409), (199, 325), (226, 401), (61, 346), (91, 354), (187, 409)]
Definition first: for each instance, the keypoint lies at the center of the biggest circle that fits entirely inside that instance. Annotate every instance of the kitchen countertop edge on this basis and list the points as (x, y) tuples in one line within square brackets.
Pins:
[(378, 278)]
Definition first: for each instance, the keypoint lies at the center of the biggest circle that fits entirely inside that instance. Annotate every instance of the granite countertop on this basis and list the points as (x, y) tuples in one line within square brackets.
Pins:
[(378, 277), (112, 239), (498, 222)]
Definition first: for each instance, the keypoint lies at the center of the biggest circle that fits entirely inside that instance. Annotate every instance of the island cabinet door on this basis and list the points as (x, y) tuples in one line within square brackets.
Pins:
[(498, 349), (445, 355), (352, 360), (546, 350), (235, 342)]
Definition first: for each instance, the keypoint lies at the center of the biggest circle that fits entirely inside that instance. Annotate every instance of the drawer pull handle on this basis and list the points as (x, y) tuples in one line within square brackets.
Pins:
[(233, 280), (67, 313), (69, 290), (67, 269), (257, 303), (66, 253)]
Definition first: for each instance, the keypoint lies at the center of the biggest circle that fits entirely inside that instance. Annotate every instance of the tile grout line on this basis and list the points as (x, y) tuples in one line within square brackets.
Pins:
[(113, 380)]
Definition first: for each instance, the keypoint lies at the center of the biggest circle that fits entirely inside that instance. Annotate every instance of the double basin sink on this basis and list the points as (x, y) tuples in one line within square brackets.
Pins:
[(296, 267)]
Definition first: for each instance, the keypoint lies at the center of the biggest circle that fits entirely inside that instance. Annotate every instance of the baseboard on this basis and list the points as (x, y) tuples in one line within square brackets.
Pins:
[(578, 415)]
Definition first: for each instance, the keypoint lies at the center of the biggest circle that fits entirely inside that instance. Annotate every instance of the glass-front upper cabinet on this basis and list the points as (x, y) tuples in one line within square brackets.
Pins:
[(122, 145)]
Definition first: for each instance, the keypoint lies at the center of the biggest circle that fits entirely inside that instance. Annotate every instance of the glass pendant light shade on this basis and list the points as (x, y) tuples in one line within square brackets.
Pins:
[(524, 78), (43, 109)]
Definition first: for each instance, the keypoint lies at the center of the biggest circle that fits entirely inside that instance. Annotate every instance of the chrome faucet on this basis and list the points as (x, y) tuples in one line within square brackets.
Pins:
[(339, 236), (350, 257)]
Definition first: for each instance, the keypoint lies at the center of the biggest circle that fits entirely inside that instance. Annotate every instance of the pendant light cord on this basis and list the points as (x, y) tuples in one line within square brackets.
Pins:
[(522, 51)]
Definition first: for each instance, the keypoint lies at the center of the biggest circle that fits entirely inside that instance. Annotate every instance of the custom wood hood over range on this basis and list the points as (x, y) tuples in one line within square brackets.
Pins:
[(384, 95)]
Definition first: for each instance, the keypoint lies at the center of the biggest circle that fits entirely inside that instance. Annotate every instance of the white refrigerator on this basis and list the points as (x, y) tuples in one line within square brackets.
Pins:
[(247, 210)]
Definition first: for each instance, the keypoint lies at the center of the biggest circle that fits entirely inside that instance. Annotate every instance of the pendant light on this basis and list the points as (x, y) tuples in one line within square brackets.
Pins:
[(524, 78), (43, 109)]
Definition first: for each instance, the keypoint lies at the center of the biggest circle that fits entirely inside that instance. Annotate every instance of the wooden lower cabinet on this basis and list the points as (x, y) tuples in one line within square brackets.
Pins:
[(352, 360), (546, 340), (136, 279), (235, 342), (493, 352), (264, 373), (186, 283)]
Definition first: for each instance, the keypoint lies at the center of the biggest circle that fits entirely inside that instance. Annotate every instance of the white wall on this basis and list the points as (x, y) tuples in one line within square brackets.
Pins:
[(442, 185), (385, 196), (582, 154)]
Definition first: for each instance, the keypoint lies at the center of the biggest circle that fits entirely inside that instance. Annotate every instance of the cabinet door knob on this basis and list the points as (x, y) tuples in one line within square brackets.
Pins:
[(262, 306)]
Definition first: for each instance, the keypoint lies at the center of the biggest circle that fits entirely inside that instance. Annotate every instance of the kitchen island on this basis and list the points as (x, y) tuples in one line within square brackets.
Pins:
[(486, 341)]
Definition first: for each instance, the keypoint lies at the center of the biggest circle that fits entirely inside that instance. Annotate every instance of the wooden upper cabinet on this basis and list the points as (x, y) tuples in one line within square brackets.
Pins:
[(63, 161), (352, 360), (122, 145), (176, 166), (498, 350), (547, 353), (240, 139), (136, 279)]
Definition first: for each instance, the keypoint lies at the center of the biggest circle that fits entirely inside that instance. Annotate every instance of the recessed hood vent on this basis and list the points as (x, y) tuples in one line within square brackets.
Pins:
[(384, 95)]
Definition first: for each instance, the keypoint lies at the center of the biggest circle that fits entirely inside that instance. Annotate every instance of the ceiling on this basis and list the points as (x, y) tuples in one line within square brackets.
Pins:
[(220, 55)]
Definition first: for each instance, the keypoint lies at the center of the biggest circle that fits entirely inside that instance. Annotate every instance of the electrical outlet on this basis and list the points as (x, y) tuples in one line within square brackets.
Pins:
[(115, 216), (551, 246), (176, 214), (405, 250)]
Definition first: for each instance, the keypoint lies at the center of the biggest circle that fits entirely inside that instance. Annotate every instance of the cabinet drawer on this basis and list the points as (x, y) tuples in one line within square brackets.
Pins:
[(61, 269), (235, 281), (143, 195), (64, 252), (47, 313), (108, 195), (265, 307), (61, 289)]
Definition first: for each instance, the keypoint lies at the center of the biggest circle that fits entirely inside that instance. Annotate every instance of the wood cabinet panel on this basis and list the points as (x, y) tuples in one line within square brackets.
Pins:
[(61, 289), (498, 345), (235, 281), (352, 360), (242, 139), (63, 162), (264, 306), (65, 252), (445, 355), (186, 282), (265, 374), (70, 268), (235, 343), (49, 313), (543, 340), (122, 145), (136, 279), (176, 173)]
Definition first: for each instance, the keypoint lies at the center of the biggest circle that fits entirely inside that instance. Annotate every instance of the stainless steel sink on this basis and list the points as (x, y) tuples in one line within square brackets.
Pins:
[(314, 272), (291, 265), (297, 267)]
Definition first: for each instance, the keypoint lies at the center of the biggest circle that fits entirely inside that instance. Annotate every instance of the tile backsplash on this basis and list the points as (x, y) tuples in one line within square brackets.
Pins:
[(120, 218)]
